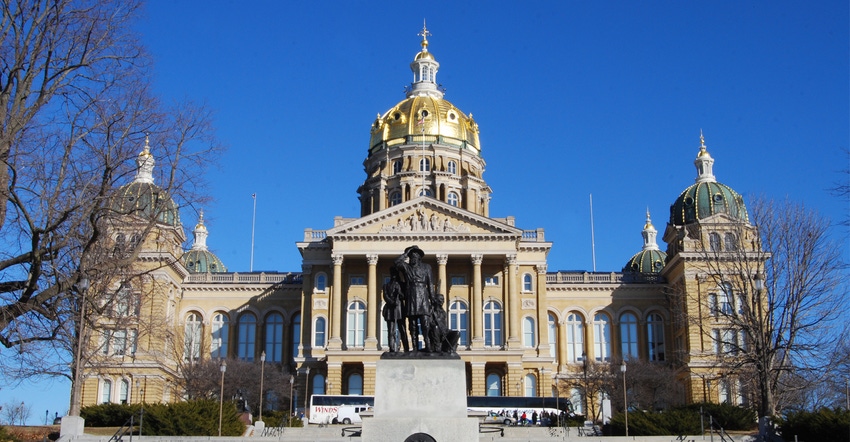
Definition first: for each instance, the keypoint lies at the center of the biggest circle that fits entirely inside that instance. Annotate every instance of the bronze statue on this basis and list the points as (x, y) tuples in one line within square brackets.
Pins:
[(409, 294)]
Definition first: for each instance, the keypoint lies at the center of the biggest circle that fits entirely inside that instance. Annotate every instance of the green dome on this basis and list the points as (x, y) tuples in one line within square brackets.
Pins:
[(147, 201), (704, 199), (202, 261), (646, 261)]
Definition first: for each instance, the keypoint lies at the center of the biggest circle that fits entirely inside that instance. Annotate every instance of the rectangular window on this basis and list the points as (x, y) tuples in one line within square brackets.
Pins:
[(119, 342), (458, 280), (491, 280), (357, 280)]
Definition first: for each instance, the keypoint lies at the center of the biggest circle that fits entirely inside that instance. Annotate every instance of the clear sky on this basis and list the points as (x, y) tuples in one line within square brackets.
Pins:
[(572, 99)]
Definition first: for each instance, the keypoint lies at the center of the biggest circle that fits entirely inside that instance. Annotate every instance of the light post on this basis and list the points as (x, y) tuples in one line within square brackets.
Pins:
[(586, 402), (262, 376), (223, 369), (82, 286), (625, 397), (291, 385), (142, 403), (518, 384), (306, 390)]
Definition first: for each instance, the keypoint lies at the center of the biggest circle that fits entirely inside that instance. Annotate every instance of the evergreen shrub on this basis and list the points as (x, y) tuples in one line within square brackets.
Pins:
[(832, 424)]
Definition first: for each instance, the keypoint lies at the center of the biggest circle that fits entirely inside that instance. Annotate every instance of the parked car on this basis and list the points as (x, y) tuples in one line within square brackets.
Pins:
[(495, 418)]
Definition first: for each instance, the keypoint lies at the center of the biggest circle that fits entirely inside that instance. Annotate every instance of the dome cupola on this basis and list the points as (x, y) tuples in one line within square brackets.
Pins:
[(199, 259), (650, 259), (424, 146), (143, 198), (706, 197)]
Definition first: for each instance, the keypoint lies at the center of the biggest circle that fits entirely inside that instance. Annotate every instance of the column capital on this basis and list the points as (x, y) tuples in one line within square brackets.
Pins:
[(541, 268), (337, 258), (306, 269), (511, 259), (476, 258), (442, 259), (372, 259)]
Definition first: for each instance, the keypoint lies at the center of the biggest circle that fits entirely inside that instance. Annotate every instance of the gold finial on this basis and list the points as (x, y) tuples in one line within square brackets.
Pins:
[(424, 34), (702, 147), (200, 224), (146, 152), (648, 221)]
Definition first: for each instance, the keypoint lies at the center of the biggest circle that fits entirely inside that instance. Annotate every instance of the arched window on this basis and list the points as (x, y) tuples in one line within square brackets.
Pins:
[(355, 383), (628, 335), (321, 282), (124, 391), (530, 385), (395, 198), (296, 335), (492, 324), (655, 337), (575, 337), (220, 326), (106, 391), (602, 337), (425, 165), (319, 332), (247, 334), (528, 335), (274, 337), (396, 166), (451, 168), (494, 385), (356, 325), (425, 192), (458, 320), (553, 336), (319, 384), (192, 338), (731, 242), (453, 199), (526, 282), (714, 241)]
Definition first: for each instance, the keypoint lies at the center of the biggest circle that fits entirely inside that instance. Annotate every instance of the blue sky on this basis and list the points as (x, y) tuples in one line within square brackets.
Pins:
[(572, 99)]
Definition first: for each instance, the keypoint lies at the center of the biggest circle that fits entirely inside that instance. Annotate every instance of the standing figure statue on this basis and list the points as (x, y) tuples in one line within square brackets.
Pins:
[(393, 312), (419, 295)]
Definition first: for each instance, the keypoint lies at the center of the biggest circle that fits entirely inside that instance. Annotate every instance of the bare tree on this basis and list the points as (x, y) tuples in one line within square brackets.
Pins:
[(76, 110), (202, 380), (16, 412), (775, 315)]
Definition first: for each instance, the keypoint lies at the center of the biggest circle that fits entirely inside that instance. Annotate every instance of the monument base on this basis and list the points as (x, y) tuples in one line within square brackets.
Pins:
[(418, 398)]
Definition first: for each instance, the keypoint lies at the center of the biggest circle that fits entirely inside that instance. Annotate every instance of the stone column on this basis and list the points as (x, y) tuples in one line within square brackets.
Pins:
[(306, 308), (335, 342), (372, 303), (513, 310), (479, 379), (542, 313), (442, 260), (477, 310), (561, 355)]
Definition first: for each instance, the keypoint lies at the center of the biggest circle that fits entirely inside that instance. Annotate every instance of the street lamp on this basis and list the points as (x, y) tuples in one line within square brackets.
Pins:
[(223, 368), (518, 385), (625, 397), (306, 389), (142, 402), (262, 376), (291, 385), (586, 401), (81, 287)]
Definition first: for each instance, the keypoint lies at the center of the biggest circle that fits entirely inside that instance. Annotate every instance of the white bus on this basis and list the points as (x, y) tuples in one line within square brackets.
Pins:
[(324, 408)]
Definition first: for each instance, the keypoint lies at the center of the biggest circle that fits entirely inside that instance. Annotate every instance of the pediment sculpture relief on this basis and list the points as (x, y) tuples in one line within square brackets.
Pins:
[(421, 222)]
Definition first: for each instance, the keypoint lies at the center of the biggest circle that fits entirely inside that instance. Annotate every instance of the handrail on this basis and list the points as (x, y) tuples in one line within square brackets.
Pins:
[(127, 427)]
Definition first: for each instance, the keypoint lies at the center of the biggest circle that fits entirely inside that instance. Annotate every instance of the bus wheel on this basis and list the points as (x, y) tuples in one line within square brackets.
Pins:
[(346, 421), (335, 421)]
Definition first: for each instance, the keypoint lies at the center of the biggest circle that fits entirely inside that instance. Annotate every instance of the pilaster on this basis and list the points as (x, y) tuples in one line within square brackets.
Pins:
[(542, 313), (513, 310), (372, 303), (477, 311), (335, 342)]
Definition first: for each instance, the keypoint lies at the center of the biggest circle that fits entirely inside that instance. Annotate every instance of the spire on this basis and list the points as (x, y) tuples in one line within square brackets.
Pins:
[(145, 163), (424, 69), (649, 234), (704, 163), (200, 233)]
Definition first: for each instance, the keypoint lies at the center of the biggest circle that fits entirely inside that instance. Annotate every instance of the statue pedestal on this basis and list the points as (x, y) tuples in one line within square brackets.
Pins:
[(422, 397)]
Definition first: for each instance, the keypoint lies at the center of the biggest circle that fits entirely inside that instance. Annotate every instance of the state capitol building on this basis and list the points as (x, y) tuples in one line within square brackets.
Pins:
[(523, 328)]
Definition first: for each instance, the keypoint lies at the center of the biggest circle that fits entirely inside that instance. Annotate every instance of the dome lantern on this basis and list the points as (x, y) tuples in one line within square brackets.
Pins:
[(424, 69), (650, 260), (704, 163), (199, 259), (145, 163)]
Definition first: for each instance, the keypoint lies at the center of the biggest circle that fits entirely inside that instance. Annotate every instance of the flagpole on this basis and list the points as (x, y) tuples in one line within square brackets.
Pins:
[(253, 223), (592, 236)]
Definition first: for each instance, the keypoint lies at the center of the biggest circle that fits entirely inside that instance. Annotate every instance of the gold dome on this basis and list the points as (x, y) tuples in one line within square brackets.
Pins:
[(424, 115)]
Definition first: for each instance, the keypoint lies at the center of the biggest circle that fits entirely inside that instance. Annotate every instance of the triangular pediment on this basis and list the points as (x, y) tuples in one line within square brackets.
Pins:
[(424, 216)]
